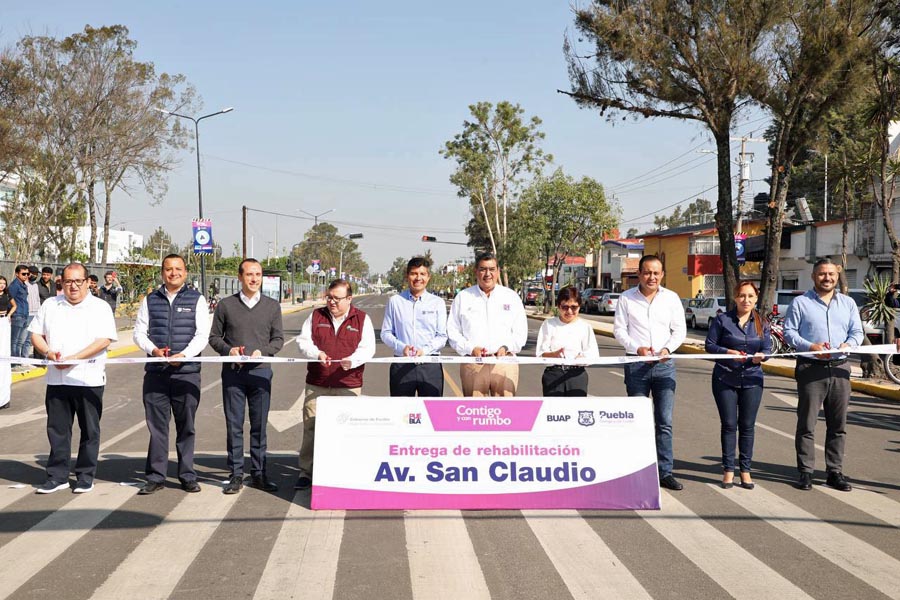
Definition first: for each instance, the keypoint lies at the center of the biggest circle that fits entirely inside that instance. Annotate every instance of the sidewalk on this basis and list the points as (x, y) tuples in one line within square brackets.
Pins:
[(775, 366), (125, 345)]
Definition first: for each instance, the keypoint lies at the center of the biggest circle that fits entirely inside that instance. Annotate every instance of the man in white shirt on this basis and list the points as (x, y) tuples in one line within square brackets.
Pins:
[(650, 322), (173, 322), (341, 337), (74, 326), (488, 319)]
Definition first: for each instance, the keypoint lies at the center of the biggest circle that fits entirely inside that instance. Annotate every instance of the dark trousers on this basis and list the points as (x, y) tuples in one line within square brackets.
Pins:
[(425, 379), (253, 387), (63, 404), (564, 381), (819, 385), (167, 394), (737, 412)]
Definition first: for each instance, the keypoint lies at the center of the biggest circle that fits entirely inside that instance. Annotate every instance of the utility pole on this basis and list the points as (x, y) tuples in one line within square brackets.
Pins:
[(743, 175), (244, 232)]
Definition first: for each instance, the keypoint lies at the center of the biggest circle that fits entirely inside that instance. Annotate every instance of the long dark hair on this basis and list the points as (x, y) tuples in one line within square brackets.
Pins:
[(757, 318), (6, 288)]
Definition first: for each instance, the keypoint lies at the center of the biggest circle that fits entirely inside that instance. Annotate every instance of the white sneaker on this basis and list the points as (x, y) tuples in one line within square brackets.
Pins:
[(82, 487), (51, 486)]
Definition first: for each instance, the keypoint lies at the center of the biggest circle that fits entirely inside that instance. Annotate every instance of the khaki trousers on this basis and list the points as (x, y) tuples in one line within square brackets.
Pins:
[(307, 444), (489, 380)]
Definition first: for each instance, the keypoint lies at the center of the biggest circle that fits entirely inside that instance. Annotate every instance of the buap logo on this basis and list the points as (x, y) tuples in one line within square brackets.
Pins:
[(586, 417)]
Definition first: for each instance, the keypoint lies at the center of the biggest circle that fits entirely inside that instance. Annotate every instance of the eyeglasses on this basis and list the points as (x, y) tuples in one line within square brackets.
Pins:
[(75, 282), (335, 299), (569, 307), (487, 269)]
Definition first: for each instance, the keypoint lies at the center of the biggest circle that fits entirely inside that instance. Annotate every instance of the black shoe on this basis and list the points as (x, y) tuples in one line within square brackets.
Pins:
[(151, 487), (51, 486), (747, 485), (234, 485), (261, 482), (7, 405), (805, 481), (836, 480), (303, 483), (670, 483), (192, 487)]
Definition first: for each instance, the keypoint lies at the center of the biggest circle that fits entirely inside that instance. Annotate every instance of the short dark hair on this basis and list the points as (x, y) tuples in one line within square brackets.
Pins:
[(47, 270), (648, 258), (171, 256), (418, 261), (341, 282), (33, 269), (823, 261), (568, 293), (76, 264), (484, 256), (109, 273), (20, 268), (94, 278), (245, 261)]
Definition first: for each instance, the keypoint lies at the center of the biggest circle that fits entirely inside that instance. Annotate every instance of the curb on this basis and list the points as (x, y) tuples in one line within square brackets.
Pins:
[(857, 385), (121, 351)]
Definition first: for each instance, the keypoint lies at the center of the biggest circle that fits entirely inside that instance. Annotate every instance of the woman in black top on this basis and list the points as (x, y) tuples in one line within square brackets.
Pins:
[(737, 384), (7, 304), (7, 308)]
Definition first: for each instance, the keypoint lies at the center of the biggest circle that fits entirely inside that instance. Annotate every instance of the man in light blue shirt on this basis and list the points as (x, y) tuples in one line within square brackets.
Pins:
[(415, 324), (826, 321)]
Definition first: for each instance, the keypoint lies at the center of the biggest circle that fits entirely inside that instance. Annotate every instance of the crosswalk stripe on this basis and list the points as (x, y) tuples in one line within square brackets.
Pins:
[(442, 560), (167, 552), (716, 554), (583, 560), (784, 434), (303, 562), (8, 494), (868, 501), (32, 414), (34, 549), (855, 556)]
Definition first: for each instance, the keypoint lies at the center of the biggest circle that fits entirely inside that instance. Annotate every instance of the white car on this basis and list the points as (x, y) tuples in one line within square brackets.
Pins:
[(707, 311), (607, 304), (874, 332)]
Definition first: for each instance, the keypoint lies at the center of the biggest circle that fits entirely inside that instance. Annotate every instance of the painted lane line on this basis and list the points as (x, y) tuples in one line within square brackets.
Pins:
[(8, 494), (695, 537), (442, 561), (122, 436), (855, 556), (618, 374), (282, 420), (583, 560), (303, 562), (453, 386), (33, 414), (169, 550), (28, 553), (784, 434), (868, 501)]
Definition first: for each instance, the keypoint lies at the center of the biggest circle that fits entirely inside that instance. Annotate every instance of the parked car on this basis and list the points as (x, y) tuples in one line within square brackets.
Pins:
[(689, 304), (590, 299), (608, 302), (707, 310), (783, 299), (533, 295), (874, 332)]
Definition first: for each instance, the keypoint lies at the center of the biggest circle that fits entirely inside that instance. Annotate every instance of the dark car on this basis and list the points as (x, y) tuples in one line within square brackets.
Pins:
[(590, 299), (533, 295)]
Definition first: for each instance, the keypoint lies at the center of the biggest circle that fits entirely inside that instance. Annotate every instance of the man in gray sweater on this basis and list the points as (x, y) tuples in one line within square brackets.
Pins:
[(247, 324)]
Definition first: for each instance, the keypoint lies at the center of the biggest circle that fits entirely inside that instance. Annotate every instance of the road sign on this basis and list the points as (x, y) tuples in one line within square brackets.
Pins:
[(203, 240)]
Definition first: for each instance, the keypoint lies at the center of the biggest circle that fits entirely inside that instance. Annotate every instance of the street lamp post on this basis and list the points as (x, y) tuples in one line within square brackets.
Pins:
[(316, 217), (196, 121), (348, 237)]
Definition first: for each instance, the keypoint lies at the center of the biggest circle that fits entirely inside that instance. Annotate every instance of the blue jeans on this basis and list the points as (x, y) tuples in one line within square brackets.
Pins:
[(657, 381), (737, 411), (19, 334)]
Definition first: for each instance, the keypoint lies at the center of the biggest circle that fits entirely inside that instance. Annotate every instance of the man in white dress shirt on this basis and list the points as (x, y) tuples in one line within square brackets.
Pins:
[(488, 319), (650, 322)]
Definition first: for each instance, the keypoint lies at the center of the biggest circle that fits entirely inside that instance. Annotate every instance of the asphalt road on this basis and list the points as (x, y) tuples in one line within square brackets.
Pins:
[(705, 543)]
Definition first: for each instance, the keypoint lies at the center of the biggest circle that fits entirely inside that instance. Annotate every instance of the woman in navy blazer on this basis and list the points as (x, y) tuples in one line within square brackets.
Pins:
[(737, 385)]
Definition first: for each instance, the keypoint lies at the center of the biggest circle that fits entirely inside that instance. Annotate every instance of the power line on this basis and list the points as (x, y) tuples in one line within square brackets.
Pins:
[(674, 204)]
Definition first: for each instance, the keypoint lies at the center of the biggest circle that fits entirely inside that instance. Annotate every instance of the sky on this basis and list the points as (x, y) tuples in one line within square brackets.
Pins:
[(345, 106)]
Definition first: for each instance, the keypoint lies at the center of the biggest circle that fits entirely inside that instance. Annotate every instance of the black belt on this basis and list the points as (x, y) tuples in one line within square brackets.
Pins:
[(825, 363), (565, 367)]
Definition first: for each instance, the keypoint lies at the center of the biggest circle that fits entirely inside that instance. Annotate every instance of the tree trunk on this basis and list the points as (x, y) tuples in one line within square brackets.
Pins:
[(845, 234), (777, 201), (92, 208), (108, 193), (725, 217)]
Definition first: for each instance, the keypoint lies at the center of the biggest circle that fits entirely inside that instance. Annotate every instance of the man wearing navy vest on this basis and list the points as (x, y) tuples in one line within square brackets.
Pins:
[(172, 322), (342, 339), (247, 324)]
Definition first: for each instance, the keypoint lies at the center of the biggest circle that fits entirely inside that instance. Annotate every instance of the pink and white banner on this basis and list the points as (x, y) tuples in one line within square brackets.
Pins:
[(484, 453)]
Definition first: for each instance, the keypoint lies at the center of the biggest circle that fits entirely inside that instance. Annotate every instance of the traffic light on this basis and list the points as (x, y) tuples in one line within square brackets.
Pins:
[(429, 238)]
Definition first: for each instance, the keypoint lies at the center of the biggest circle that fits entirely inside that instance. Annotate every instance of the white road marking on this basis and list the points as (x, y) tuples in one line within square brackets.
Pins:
[(8, 494), (855, 556), (618, 373), (303, 562), (716, 554), (789, 399), (585, 563), (169, 550), (282, 420), (28, 553), (32, 414), (868, 501), (442, 560)]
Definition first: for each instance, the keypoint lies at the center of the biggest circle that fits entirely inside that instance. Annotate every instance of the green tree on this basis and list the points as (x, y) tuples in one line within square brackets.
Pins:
[(494, 152), (698, 211), (324, 242), (396, 275), (678, 59), (567, 215), (158, 245), (631, 233)]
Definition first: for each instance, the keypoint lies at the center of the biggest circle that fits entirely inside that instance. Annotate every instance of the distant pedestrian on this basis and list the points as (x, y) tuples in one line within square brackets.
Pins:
[(94, 285), (34, 305), (825, 321), (247, 324), (74, 326), (18, 289), (111, 290), (173, 322), (46, 287), (7, 309), (737, 385), (566, 336)]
